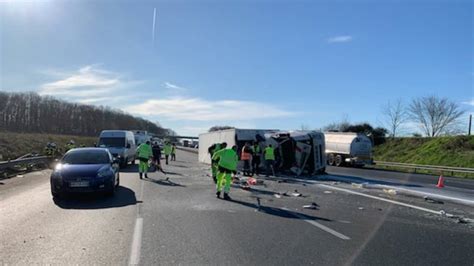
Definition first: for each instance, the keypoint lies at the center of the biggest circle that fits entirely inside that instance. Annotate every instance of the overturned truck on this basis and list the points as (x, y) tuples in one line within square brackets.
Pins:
[(301, 152)]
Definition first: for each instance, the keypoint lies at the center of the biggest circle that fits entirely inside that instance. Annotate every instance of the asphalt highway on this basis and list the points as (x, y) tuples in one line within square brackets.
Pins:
[(180, 221)]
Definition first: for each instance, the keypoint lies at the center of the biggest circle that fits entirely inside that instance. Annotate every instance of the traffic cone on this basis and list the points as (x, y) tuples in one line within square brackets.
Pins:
[(440, 182)]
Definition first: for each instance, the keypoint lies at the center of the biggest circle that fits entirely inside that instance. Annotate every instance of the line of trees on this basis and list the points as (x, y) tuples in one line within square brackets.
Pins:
[(32, 113)]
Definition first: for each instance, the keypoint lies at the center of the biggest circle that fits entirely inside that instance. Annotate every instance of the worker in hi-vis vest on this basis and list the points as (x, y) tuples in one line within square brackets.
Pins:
[(144, 153), (256, 153), (173, 152), (213, 149), (269, 155), (167, 149), (227, 160), (246, 156)]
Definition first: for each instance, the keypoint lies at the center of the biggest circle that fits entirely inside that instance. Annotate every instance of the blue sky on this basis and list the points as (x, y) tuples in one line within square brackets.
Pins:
[(251, 64)]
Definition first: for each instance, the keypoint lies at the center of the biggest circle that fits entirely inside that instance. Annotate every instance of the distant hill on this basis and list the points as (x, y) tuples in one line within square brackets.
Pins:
[(447, 151), (32, 113)]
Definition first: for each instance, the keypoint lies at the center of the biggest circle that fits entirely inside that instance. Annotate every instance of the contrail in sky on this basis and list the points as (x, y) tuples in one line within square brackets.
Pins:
[(154, 20)]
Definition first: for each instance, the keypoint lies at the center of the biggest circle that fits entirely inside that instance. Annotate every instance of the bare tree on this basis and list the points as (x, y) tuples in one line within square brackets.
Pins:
[(395, 115), (435, 115)]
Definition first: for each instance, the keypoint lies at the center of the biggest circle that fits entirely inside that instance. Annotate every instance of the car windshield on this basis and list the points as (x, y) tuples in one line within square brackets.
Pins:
[(112, 142), (86, 157)]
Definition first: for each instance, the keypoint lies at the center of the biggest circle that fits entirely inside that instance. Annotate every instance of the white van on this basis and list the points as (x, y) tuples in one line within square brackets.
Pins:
[(120, 143)]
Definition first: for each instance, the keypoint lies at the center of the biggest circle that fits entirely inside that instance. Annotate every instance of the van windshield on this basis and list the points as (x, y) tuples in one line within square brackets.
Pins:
[(112, 142)]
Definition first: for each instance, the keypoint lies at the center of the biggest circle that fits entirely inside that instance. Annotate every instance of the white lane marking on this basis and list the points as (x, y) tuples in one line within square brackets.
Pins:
[(137, 233), (382, 199), (137, 242), (318, 225)]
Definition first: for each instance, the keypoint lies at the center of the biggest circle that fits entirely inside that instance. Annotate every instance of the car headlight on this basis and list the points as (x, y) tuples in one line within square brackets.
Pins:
[(104, 173)]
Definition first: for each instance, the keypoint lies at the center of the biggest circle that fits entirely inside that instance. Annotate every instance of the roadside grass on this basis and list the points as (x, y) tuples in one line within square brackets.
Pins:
[(457, 151), (14, 145)]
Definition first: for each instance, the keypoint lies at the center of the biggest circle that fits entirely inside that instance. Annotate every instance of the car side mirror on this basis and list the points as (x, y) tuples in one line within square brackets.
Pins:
[(128, 146)]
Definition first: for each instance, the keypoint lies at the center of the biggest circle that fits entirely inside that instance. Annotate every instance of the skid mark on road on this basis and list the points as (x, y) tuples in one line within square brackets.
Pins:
[(318, 225)]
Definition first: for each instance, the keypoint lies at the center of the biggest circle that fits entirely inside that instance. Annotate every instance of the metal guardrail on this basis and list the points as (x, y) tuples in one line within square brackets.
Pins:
[(427, 167), (29, 160)]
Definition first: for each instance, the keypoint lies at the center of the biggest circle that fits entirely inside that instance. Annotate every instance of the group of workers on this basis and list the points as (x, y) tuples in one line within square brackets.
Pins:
[(51, 149), (146, 152), (224, 163)]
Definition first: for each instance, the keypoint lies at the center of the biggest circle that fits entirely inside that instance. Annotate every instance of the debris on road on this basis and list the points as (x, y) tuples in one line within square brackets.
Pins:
[(390, 191), (296, 194), (277, 195), (361, 208), (327, 192), (431, 200), (312, 206)]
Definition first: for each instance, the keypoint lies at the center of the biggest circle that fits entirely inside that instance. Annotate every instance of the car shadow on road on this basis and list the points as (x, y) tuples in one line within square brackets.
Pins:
[(164, 182), (279, 212), (123, 197)]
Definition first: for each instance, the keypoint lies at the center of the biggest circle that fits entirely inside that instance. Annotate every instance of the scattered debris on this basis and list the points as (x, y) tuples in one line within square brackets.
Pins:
[(379, 209), (245, 186), (442, 212), (19, 176), (431, 200), (296, 194), (277, 195), (312, 206), (356, 185), (251, 181), (259, 182), (335, 183), (327, 192), (390, 191), (361, 208), (304, 185)]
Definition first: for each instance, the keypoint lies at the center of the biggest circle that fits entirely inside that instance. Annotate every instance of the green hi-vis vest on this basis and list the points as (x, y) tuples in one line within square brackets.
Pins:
[(216, 148), (227, 158), (269, 153), (144, 151), (167, 149), (256, 149)]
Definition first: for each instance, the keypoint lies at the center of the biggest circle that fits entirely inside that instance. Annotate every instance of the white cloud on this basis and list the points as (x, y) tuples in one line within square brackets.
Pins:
[(197, 109), (471, 102), (89, 84), (340, 39), (174, 88)]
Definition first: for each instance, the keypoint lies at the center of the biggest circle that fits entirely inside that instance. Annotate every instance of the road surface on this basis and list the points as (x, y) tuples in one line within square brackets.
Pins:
[(181, 222)]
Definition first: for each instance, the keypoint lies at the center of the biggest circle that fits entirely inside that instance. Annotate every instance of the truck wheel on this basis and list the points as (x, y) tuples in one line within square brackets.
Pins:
[(339, 161), (331, 159)]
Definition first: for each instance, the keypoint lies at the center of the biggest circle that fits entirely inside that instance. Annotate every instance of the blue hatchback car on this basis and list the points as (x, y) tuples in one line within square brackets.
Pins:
[(85, 170)]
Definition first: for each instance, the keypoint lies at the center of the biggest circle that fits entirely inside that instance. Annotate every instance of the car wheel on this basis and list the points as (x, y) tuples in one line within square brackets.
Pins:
[(339, 161), (331, 159), (56, 195)]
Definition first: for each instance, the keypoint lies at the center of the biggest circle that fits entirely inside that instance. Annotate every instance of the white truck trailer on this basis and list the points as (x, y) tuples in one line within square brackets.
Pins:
[(346, 148), (231, 136)]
